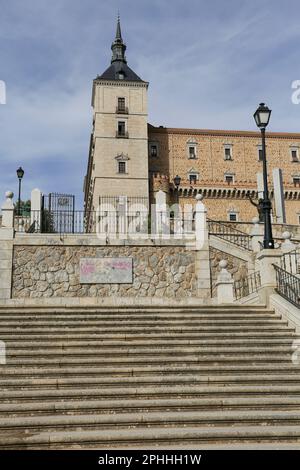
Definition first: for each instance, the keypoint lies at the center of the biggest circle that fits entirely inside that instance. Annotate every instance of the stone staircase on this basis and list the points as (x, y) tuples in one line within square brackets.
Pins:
[(147, 377)]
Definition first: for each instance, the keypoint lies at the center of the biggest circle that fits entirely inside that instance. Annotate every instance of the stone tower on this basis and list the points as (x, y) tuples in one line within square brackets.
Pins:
[(118, 156)]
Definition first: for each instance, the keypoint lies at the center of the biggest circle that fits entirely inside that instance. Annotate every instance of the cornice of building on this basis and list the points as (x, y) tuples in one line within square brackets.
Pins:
[(220, 132)]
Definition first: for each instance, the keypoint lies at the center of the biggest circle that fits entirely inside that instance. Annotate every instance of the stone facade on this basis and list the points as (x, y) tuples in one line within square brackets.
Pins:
[(53, 271), (210, 168)]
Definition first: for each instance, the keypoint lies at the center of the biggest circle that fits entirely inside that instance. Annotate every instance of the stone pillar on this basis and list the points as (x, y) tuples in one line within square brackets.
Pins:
[(6, 246), (162, 218), (279, 196), (201, 223), (257, 235), (224, 285), (202, 249), (266, 259), (36, 208)]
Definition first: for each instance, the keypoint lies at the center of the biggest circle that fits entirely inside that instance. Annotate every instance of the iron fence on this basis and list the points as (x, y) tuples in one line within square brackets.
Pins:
[(290, 261), (232, 235), (288, 285), (131, 222), (247, 285)]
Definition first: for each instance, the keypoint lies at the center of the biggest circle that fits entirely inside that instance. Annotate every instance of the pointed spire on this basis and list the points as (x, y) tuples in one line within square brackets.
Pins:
[(118, 32), (118, 47)]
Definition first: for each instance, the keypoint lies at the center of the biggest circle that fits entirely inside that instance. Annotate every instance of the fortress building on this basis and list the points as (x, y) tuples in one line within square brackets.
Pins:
[(130, 160)]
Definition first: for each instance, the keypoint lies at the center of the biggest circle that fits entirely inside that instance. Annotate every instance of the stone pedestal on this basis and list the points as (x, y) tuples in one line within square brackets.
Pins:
[(224, 285), (6, 246), (266, 259)]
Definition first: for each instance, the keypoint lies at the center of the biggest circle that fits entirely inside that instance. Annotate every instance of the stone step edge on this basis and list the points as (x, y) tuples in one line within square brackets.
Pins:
[(167, 417), (171, 435)]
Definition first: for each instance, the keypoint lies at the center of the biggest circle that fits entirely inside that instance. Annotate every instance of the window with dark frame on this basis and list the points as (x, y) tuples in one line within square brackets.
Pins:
[(153, 150), (260, 155), (229, 179), (294, 154), (232, 217), (192, 152), (122, 167), (121, 104), (121, 128), (193, 179), (296, 181), (228, 154)]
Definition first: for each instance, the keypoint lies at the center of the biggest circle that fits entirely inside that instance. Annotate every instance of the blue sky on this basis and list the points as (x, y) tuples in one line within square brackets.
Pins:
[(208, 63)]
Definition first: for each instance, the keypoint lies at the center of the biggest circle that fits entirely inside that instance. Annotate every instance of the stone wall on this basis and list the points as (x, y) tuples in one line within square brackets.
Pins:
[(53, 271)]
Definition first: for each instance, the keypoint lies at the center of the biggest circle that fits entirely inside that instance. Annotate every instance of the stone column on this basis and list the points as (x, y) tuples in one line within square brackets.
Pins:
[(266, 259), (162, 218), (202, 249), (257, 235), (36, 208), (224, 285), (6, 246)]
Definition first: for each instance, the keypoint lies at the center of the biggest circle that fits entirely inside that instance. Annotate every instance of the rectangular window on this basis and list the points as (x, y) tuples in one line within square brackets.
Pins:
[(153, 150), (192, 152), (121, 128), (232, 217), (121, 105), (122, 167), (294, 155), (229, 179), (227, 154), (193, 179), (260, 155), (296, 181)]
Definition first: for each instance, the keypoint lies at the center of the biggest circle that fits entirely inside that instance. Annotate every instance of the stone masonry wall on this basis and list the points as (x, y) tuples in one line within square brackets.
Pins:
[(53, 271)]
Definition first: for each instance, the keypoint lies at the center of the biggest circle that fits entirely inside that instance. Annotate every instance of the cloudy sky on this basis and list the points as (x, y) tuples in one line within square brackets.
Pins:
[(208, 63)]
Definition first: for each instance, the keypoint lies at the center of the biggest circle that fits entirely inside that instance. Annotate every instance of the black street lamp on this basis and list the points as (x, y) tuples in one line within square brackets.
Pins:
[(262, 118), (20, 174), (177, 181)]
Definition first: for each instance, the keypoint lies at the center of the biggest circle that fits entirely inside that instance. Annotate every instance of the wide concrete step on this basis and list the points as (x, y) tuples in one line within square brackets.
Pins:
[(123, 370), (155, 436), (155, 350), (126, 405), (213, 328), (85, 317), (19, 343), (157, 390), (164, 358), (149, 420), (159, 335), (131, 309), (79, 382), (197, 323)]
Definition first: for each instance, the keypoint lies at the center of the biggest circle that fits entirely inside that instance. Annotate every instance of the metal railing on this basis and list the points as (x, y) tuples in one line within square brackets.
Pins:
[(230, 234), (288, 285), (247, 285), (131, 222), (290, 261)]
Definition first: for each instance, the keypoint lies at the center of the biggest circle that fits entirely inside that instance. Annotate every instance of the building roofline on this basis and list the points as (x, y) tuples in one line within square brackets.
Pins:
[(220, 132)]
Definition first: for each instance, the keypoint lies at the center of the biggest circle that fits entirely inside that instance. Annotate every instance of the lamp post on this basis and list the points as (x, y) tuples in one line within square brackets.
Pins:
[(262, 118), (177, 181), (20, 174)]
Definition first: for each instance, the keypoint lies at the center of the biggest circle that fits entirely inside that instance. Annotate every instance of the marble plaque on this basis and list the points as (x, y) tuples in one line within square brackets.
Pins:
[(106, 271)]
